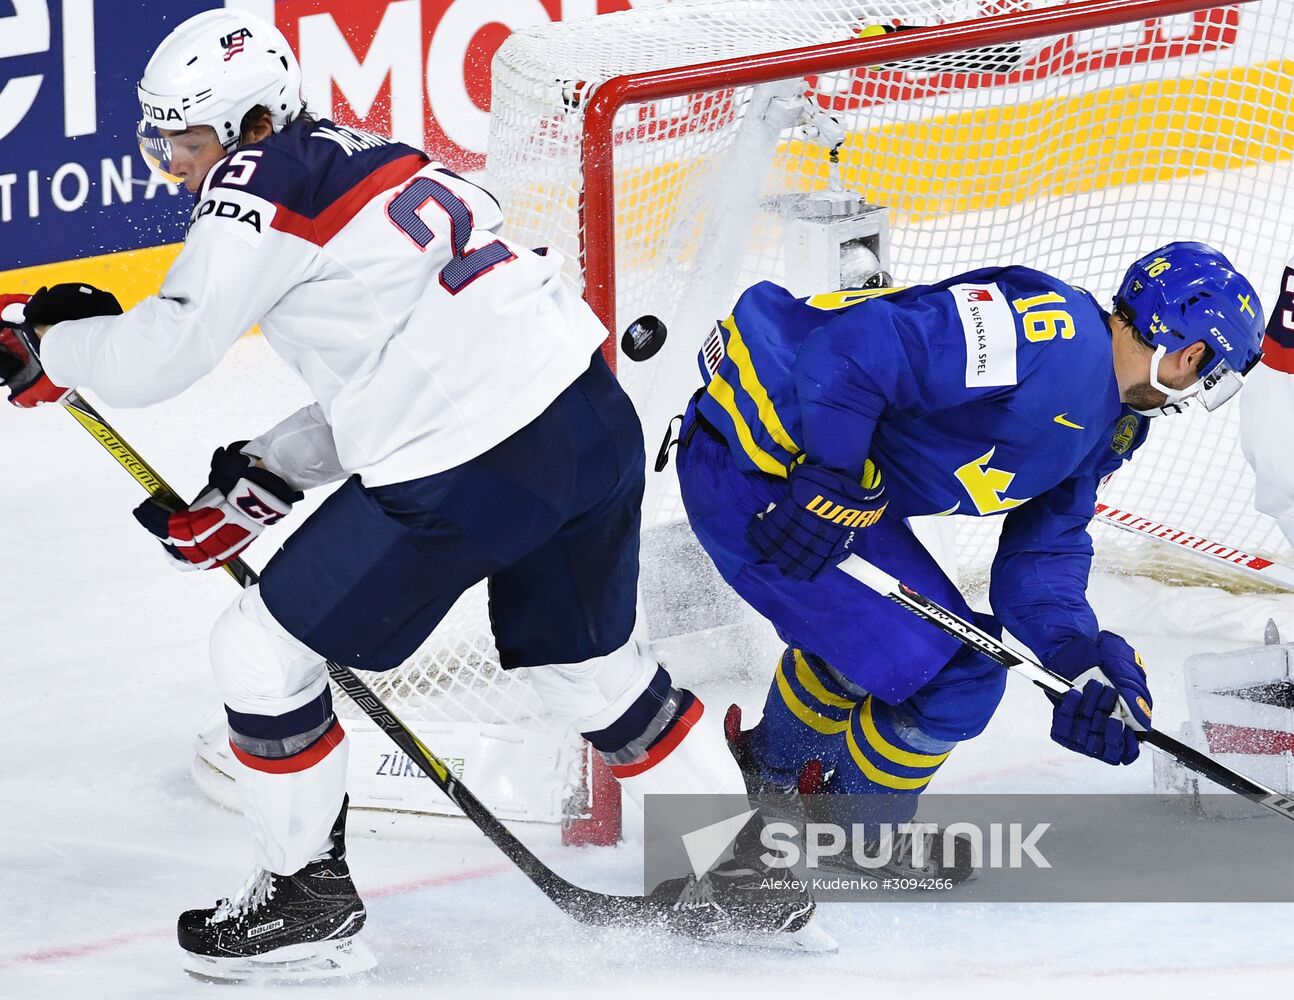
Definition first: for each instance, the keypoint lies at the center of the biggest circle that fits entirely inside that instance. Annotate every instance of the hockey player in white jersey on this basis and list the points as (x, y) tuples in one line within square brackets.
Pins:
[(1267, 413), (461, 396)]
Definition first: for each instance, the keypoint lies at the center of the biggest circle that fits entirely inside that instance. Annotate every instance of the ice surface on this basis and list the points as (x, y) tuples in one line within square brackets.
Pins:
[(105, 840)]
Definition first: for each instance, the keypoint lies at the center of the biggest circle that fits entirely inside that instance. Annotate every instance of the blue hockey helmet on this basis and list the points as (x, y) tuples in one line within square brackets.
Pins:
[(1188, 292)]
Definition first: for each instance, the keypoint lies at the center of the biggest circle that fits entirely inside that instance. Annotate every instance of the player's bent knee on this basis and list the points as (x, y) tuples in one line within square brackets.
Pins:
[(889, 751), (259, 667), (960, 700), (279, 707), (593, 693)]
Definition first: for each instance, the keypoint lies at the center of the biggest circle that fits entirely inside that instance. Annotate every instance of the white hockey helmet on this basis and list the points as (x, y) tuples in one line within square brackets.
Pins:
[(212, 70)]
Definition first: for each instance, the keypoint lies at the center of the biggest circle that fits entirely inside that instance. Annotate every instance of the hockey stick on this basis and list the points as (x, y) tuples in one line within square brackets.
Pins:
[(584, 905), (1269, 572), (888, 586)]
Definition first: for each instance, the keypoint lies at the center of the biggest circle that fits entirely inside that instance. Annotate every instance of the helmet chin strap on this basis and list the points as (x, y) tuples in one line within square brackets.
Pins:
[(1177, 399)]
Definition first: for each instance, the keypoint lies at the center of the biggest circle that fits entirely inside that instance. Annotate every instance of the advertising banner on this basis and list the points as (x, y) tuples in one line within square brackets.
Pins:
[(73, 188), (72, 183)]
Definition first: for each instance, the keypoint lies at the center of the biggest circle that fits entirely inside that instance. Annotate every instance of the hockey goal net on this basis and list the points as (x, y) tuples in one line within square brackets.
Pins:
[(659, 150), (678, 153)]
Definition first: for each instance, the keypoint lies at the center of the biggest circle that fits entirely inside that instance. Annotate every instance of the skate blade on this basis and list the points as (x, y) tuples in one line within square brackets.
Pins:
[(296, 963), (810, 939)]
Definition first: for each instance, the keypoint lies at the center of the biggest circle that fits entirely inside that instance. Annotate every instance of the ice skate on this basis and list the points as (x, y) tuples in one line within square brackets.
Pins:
[(779, 799), (805, 800), (282, 928), (744, 902), (904, 858)]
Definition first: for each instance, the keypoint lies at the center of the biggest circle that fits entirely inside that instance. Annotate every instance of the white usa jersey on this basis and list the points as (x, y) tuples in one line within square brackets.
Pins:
[(1267, 413), (376, 275)]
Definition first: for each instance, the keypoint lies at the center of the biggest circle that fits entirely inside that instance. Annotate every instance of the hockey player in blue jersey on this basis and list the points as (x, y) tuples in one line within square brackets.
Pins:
[(462, 404), (825, 422)]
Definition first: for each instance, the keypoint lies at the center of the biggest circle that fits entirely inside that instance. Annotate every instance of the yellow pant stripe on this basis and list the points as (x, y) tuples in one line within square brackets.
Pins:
[(809, 681), (816, 722), (874, 773), (888, 750), (723, 395), (739, 354)]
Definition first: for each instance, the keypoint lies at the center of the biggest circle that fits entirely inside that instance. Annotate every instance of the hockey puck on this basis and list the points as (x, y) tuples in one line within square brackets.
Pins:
[(643, 338)]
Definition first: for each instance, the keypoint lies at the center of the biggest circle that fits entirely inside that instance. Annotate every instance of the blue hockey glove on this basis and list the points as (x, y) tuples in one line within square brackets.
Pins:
[(1110, 702), (815, 527)]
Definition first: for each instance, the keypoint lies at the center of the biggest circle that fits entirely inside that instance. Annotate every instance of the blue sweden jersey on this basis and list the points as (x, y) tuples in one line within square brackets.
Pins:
[(989, 393), (973, 395)]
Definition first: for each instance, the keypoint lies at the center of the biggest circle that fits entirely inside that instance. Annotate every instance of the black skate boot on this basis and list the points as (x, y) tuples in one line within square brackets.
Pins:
[(285, 928), (780, 800), (923, 857), (897, 857), (743, 901), (809, 800)]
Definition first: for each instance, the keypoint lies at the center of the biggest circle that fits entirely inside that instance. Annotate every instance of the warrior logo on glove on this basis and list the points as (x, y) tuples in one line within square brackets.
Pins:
[(852, 517), (813, 529)]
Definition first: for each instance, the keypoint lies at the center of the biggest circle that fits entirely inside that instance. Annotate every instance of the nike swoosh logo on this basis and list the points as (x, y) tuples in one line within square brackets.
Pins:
[(1060, 419)]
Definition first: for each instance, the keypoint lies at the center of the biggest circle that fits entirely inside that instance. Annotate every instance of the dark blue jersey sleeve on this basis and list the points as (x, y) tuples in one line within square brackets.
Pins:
[(847, 373), (886, 355), (1038, 587)]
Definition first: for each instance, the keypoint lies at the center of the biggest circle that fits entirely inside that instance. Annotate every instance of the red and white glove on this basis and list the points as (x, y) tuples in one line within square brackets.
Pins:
[(240, 501), (20, 367)]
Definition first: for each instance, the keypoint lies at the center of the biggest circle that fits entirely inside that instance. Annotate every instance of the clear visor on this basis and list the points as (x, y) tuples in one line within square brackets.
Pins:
[(1220, 385), (155, 148), (1212, 391)]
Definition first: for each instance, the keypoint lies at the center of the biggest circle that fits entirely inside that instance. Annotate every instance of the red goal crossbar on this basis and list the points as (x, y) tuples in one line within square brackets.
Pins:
[(597, 207)]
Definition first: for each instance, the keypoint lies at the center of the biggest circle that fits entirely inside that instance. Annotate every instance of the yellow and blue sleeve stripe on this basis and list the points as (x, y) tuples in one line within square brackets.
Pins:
[(883, 756), (742, 403), (807, 697)]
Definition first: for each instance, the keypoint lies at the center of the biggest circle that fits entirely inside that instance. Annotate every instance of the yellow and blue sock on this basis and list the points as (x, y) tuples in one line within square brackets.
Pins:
[(805, 718)]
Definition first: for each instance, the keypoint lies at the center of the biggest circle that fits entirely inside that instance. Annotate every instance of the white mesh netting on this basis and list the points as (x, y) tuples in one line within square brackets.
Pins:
[(1074, 154)]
